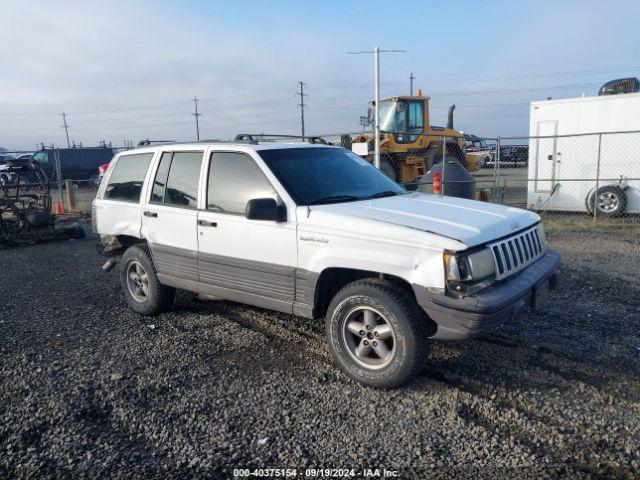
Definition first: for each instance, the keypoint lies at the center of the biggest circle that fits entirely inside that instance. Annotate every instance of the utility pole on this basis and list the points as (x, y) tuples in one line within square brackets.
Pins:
[(66, 128), (411, 79), (301, 105), (196, 114), (376, 75)]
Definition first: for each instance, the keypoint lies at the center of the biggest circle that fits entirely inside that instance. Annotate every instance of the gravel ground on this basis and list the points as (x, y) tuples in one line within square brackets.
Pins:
[(89, 389)]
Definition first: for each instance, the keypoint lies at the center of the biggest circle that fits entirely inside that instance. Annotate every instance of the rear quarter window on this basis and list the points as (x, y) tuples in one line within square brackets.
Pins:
[(127, 177)]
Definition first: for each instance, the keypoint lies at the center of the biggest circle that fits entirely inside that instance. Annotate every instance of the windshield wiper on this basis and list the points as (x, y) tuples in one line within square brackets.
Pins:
[(335, 199), (386, 193)]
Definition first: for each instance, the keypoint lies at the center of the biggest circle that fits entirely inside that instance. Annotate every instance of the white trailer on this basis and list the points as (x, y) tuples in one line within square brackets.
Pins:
[(567, 157)]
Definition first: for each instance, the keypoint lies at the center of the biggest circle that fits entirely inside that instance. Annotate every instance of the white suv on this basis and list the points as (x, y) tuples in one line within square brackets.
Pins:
[(316, 231)]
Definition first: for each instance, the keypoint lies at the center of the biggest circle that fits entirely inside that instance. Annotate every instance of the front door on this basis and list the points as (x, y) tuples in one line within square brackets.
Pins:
[(250, 261), (170, 215)]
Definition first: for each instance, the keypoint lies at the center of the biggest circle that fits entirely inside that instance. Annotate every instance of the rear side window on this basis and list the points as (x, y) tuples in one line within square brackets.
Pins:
[(127, 177), (177, 178), (234, 179)]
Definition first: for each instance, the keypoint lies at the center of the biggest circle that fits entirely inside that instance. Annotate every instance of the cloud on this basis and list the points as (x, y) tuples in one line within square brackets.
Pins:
[(128, 70)]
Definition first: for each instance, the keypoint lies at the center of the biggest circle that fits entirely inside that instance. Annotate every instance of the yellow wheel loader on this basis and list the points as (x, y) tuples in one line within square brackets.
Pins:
[(409, 144)]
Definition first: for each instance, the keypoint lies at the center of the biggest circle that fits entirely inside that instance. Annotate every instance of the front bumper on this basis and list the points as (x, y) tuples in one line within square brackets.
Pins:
[(491, 308)]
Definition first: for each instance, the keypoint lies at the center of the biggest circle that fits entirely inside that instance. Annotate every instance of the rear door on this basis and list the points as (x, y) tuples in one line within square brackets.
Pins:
[(546, 157), (116, 209), (170, 214), (252, 261)]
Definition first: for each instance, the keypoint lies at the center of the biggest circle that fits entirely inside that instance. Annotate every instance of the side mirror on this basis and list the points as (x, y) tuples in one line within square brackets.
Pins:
[(265, 209)]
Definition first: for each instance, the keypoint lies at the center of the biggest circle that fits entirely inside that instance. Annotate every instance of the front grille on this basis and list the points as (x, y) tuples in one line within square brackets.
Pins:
[(514, 253)]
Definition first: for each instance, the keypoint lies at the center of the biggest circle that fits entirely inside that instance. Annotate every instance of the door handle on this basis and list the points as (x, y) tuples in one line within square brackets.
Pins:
[(204, 223), (147, 213)]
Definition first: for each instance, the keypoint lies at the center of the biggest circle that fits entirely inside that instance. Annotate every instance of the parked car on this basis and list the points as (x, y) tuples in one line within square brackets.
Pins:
[(79, 164), (7, 177), (316, 231), (478, 148), (514, 155)]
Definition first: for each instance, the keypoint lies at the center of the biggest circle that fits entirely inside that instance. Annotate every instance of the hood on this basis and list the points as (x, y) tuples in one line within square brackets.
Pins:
[(468, 221)]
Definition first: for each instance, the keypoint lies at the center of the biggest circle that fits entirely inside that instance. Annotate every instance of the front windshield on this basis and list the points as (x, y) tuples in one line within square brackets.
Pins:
[(327, 175), (41, 157), (392, 117)]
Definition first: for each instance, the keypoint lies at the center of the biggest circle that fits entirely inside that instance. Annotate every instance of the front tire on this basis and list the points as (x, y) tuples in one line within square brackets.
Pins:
[(376, 334), (139, 279)]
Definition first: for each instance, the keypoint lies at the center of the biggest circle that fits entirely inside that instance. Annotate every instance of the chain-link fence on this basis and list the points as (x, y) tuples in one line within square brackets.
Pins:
[(583, 180), (73, 174)]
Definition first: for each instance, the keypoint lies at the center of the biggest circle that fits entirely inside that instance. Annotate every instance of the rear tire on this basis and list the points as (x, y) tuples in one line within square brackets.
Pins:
[(611, 201), (139, 279), (376, 335)]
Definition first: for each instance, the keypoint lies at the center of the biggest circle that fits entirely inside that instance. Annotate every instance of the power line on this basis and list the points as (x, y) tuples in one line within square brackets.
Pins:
[(66, 128), (301, 105), (196, 114)]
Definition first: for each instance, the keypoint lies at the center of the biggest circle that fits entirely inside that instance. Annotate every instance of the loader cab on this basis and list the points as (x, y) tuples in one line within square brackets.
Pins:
[(404, 117)]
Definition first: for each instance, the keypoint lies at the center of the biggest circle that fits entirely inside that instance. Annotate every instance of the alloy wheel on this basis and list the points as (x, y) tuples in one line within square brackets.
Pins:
[(137, 281), (608, 202), (369, 338)]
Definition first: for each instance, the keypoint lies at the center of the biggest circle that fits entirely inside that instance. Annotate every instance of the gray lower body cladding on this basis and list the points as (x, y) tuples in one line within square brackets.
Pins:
[(175, 262), (493, 307), (292, 290), (267, 285)]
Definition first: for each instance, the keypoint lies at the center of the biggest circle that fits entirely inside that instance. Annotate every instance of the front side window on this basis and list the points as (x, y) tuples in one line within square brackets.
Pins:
[(416, 117), (328, 175), (176, 181), (234, 179), (127, 177)]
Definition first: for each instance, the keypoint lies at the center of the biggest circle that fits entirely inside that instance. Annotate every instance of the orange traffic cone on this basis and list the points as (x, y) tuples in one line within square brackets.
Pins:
[(437, 188), (59, 209)]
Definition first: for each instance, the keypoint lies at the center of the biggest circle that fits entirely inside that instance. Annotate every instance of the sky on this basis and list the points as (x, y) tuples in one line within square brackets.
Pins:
[(128, 70)]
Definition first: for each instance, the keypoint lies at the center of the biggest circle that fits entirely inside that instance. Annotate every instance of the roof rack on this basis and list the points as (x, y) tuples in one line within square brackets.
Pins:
[(144, 143), (251, 138), (255, 137)]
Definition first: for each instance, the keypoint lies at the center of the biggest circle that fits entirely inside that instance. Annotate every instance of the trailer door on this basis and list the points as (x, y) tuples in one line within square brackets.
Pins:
[(546, 155)]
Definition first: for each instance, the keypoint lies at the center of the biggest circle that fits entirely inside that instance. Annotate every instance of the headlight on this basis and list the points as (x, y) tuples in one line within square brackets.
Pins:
[(481, 264), (471, 267)]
